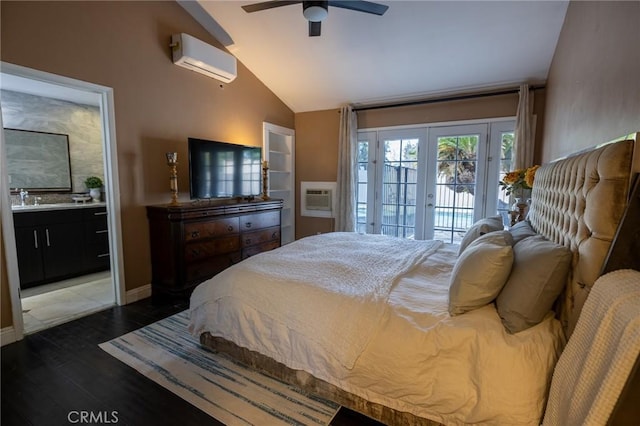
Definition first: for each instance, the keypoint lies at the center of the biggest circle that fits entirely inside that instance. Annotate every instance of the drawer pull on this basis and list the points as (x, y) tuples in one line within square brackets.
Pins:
[(195, 252), (104, 255), (102, 231), (230, 228), (100, 213), (195, 234), (247, 225), (274, 235), (247, 241)]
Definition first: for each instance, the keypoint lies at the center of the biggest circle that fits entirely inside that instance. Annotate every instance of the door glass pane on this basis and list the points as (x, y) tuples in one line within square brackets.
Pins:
[(399, 181), (361, 187), (506, 165), (455, 187)]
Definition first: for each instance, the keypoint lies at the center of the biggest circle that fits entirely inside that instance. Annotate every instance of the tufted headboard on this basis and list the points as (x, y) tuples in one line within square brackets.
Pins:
[(578, 202)]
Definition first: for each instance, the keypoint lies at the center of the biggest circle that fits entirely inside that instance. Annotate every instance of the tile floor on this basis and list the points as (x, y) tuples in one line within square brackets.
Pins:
[(53, 304)]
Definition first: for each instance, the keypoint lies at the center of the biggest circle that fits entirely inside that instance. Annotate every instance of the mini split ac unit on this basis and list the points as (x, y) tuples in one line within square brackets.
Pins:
[(198, 56)]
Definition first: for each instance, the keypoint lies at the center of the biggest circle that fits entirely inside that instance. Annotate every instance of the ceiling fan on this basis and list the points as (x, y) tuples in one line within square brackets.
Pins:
[(317, 11)]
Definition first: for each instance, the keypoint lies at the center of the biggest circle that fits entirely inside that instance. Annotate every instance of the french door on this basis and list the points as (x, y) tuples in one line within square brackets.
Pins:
[(430, 182)]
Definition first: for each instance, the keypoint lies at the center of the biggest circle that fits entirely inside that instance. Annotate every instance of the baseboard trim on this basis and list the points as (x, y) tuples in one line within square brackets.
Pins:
[(138, 293), (7, 335)]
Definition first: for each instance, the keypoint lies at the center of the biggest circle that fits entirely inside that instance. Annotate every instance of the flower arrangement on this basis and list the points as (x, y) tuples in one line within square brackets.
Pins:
[(518, 180)]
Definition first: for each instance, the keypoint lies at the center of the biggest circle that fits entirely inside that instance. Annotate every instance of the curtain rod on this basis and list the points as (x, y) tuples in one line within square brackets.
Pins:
[(445, 99)]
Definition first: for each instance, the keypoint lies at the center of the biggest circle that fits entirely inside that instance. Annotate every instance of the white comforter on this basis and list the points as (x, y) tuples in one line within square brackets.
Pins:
[(410, 354), (330, 289)]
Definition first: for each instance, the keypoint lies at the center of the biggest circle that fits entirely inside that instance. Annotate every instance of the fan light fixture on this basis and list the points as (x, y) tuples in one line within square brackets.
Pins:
[(315, 12)]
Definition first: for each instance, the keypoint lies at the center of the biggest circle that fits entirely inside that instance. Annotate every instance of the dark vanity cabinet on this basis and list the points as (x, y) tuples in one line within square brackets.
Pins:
[(96, 254), (57, 244)]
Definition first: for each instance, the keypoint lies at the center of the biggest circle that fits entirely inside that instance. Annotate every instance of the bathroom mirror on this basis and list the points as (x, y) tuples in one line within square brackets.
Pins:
[(38, 161)]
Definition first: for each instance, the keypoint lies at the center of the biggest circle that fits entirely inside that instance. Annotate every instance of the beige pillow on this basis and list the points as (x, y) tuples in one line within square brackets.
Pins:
[(538, 276), (521, 230), (480, 272), (481, 227)]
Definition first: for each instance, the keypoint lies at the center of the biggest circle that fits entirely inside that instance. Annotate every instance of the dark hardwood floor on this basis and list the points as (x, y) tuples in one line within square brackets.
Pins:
[(59, 371)]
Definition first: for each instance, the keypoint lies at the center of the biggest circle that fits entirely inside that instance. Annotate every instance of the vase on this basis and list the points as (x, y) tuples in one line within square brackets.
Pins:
[(95, 194), (519, 211), (516, 202)]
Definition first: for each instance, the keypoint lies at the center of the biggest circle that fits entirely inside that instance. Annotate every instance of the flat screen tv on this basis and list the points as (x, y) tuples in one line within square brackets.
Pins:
[(223, 170)]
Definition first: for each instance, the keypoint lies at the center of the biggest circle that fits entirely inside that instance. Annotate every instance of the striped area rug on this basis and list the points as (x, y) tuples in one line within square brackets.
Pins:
[(231, 393)]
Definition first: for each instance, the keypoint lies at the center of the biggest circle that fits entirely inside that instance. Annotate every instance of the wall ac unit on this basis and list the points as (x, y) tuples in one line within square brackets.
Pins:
[(318, 199), (198, 56)]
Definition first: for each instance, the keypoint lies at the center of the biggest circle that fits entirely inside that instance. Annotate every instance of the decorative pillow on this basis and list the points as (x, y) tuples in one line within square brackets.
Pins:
[(521, 230), (538, 276), (481, 227), (480, 272)]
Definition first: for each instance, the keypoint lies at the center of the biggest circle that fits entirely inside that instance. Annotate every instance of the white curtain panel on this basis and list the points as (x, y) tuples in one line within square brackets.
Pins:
[(524, 140), (346, 183)]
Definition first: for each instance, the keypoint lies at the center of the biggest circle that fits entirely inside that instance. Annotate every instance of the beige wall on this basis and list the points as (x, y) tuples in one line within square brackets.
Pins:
[(125, 45), (593, 89), (316, 160), (468, 109)]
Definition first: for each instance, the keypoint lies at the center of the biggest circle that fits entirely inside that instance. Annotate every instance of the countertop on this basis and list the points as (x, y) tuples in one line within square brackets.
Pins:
[(59, 206)]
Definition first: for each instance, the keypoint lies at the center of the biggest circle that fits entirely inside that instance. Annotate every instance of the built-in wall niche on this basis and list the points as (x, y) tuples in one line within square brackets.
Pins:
[(38, 161), (81, 123)]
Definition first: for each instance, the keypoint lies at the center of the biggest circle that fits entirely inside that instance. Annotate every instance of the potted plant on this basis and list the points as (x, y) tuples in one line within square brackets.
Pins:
[(94, 184)]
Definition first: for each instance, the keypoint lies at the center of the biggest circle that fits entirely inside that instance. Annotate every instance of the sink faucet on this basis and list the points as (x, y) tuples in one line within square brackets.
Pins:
[(23, 197)]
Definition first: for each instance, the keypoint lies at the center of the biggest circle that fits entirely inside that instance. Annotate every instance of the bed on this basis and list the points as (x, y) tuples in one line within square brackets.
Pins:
[(422, 332)]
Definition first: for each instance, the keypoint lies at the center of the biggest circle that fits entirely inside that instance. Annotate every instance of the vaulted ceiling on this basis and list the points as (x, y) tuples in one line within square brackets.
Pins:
[(417, 49)]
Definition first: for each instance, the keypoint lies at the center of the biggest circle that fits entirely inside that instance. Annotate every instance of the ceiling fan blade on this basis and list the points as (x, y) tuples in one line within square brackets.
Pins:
[(314, 29), (255, 7), (361, 6)]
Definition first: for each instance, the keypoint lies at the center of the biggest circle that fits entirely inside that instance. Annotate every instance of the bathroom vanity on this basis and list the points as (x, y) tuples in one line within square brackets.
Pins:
[(59, 241)]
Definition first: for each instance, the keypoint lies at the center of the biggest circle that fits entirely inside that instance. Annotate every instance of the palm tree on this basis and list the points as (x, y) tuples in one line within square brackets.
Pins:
[(457, 162)]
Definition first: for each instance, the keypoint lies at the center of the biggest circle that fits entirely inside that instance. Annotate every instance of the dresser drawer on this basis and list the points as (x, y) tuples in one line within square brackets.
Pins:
[(203, 270), (192, 242), (261, 236), (214, 228), (259, 220), (253, 250), (195, 251)]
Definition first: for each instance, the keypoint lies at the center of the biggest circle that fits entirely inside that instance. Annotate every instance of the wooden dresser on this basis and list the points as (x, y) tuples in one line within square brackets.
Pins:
[(194, 241)]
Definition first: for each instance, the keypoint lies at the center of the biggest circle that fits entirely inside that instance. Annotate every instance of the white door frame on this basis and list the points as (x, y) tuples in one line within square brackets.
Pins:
[(288, 212), (112, 189)]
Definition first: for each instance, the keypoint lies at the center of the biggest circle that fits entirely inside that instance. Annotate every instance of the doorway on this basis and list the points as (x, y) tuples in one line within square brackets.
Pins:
[(62, 300)]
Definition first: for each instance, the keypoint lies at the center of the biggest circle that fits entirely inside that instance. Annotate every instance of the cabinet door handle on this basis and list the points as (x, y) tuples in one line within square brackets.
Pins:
[(35, 238), (103, 231), (195, 234), (230, 228), (100, 213), (46, 231), (248, 224)]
